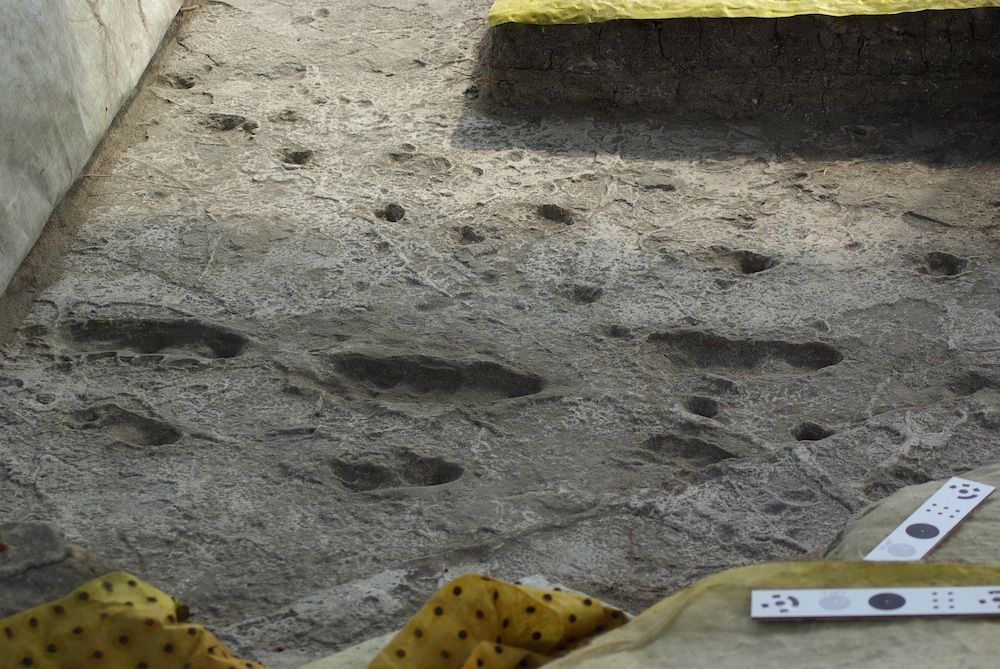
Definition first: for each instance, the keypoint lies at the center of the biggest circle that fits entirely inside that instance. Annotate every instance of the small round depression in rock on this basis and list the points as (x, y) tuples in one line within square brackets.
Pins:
[(618, 331), (808, 431), (702, 406), (938, 263), (392, 212), (296, 156), (749, 262), (555, 213)]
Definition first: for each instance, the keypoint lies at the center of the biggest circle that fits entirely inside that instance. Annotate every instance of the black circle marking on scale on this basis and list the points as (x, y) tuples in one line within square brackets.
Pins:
[(886, 601), (922, 531)]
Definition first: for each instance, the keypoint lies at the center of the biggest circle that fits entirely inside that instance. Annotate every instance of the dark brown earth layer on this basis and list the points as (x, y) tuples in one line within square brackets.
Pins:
[(923, 65)]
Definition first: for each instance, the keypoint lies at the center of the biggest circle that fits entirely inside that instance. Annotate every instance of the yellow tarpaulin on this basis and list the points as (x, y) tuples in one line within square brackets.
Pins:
[(115, 622), (478, 622), (596, 11)]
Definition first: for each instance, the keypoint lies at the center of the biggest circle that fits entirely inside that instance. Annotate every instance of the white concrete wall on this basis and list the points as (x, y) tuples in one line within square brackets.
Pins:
[(66, 68)]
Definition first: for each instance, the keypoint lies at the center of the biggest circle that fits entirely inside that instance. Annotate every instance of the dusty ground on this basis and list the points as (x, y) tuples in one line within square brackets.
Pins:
[(618, 353)]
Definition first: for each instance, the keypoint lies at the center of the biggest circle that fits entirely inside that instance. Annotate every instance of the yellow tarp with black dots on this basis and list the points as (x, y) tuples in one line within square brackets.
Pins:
[(113, 622), (476, 622), (596, 11)]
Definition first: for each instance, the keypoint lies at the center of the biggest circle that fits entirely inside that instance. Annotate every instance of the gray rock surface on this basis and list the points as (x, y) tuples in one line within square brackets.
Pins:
[(38, 566), (602, 350)]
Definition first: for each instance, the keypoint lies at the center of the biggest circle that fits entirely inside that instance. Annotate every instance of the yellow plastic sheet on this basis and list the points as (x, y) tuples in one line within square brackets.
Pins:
[(478, 622), (113, 622), (596, 11)]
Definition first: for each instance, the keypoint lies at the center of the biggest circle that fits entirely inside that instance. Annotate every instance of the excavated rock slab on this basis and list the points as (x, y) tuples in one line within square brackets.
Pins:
[(937, 65), (620, 353)]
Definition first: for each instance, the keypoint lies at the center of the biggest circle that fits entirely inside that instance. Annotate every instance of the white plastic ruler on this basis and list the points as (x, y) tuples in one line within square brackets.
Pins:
[(874, 603), (936, 518)]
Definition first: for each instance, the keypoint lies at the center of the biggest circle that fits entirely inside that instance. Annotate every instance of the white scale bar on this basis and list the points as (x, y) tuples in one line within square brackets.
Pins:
[(929, 525), (914, 538), (875, 602)]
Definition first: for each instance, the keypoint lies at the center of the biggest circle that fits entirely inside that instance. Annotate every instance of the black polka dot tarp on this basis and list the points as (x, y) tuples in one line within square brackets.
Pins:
[(115, 621), (477, 622)]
